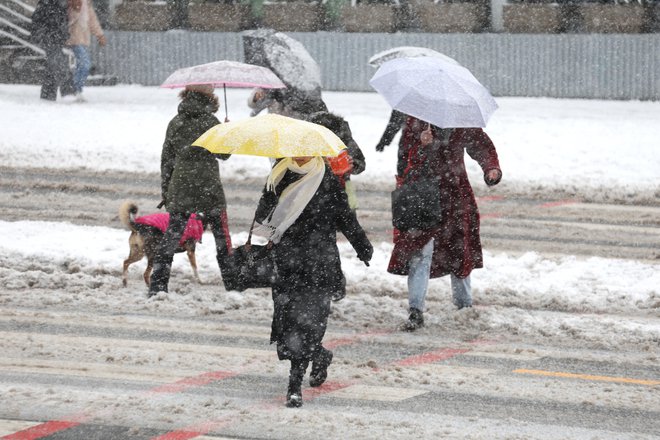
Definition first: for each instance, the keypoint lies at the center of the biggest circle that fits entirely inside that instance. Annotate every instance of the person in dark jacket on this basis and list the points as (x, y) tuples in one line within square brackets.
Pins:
[(357, 162), (190, 181), (291, 102), (394, 125), (453, 247), (300, 211), (50, 30)]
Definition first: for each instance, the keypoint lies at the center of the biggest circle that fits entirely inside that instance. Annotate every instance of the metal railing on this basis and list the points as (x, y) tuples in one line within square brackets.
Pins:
[(14, 32)]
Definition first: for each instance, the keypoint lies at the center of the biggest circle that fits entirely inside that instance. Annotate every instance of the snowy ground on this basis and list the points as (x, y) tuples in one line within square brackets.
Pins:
[(603, 150), (580, 144)]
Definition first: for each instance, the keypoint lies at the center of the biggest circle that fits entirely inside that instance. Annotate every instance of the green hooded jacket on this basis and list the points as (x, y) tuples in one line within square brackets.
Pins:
[(190, 176)]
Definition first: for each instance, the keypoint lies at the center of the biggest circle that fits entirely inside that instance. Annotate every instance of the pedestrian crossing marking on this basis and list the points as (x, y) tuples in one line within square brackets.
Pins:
[(88, 369), (511, 356), (589, 377), (457, 371), (143, 324), (120, 343), (11, 426), (377, 393)]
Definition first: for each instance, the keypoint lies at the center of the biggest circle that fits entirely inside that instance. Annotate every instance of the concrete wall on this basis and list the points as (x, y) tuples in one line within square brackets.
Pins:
[(603, 66)]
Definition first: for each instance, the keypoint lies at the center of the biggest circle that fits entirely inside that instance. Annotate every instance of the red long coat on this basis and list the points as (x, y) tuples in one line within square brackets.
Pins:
[(457, 247)]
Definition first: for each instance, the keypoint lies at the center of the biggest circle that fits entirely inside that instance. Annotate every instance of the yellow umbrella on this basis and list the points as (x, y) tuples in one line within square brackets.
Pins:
[(271, 135)]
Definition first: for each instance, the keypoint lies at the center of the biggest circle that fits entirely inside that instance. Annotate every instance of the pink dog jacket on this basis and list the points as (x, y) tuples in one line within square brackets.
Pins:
[(194, 228)]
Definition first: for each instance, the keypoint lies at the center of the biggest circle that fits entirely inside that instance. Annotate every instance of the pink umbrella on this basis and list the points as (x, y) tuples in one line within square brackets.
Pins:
[(226, 74)]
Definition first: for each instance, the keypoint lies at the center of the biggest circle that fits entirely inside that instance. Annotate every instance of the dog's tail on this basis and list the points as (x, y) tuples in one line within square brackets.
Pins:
[(127, 212)]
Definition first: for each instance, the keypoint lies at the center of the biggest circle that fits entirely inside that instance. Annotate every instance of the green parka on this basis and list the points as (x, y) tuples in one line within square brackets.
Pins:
[(190, 176)]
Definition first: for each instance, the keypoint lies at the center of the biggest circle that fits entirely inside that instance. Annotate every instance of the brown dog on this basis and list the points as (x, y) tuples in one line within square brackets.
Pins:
[(146, 233)]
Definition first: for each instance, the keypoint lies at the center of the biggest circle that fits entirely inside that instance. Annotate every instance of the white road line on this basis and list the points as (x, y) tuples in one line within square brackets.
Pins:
[(11, 426), (377, 393), (48, 339)]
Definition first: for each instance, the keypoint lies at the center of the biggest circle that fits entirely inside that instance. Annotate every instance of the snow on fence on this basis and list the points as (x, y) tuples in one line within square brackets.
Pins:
[(602, 66)]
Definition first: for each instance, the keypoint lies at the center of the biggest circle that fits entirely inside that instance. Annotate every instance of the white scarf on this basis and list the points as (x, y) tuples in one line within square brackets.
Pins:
[(293, 199)]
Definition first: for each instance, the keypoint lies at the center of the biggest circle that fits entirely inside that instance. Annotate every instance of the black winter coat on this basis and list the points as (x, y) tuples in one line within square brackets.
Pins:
[(190, 176), (308, 267), (50, 23)]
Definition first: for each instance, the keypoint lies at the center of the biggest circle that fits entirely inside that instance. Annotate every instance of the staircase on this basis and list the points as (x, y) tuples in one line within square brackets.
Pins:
[(21, 62)]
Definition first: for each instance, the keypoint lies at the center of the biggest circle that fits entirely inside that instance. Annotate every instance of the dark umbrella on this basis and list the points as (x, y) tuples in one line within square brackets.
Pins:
[(285, 56)]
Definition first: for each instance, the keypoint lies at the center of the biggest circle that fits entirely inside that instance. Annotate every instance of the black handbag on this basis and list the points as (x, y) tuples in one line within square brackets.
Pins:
[(249, 266), (416, 203)]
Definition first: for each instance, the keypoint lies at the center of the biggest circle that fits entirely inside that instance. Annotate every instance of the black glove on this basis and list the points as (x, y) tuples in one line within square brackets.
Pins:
[(380, 147), (365, 254), (338, 296)]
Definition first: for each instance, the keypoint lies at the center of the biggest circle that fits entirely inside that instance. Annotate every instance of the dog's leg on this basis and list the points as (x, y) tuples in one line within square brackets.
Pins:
[(190, 250), (147, 272), (136, 254)]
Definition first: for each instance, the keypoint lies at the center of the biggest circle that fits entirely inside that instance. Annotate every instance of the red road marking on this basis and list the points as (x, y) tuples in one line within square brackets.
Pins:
[(206, 427), (431, 356), (489, 198), (54, 426), (334, 343), (558, 203), (41, 430), (192, 432), (190, 382)]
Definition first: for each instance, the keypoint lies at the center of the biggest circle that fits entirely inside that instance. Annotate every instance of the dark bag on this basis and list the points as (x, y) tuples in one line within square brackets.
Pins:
[(416, 205), (249, 266)]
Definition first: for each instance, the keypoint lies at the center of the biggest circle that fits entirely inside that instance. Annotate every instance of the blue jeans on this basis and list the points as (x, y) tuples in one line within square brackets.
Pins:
[(418, 281), (83, 65)]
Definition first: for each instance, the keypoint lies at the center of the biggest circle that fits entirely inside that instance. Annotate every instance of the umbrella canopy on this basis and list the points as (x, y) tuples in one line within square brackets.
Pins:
[(285, 56), (224, 73), (435, 91), (271, 135), (407, 52)]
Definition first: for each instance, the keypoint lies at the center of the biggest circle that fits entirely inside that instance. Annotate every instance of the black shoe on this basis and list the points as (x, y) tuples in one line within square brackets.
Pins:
[(294, 391), (415, 321), (294, 400), (319, 372)]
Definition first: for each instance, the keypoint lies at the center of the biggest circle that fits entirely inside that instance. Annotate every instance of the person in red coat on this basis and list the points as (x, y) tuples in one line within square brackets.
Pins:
[(453, 248)]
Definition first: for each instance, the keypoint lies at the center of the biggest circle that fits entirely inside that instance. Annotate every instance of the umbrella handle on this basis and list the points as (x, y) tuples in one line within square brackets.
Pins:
[(224, 87)]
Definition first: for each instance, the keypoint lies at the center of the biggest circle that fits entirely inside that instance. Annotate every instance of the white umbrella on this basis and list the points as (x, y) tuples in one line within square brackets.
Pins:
[(435, 91), (407, 52)]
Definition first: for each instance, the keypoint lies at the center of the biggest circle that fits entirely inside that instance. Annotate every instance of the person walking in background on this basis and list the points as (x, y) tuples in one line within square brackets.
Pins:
[(394, 125), (49, 30), (190, 182), (291, 102), (83, 23), (453, 247), (301, 209), (356, 162)]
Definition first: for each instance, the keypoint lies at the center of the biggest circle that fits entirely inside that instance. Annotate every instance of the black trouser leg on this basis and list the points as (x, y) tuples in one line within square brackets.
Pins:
[(160, 276), (53, 73), (296, 375)]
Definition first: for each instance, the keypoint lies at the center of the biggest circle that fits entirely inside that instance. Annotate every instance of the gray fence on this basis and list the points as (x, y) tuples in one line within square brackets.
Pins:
[(602, 66)]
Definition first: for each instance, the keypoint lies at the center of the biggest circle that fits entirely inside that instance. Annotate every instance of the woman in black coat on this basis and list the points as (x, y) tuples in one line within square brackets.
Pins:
[(300, 211)]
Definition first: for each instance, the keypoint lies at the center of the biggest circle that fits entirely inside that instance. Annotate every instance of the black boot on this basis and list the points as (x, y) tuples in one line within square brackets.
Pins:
[(294, 392), (320, 365), (414, 322), (160, 278)]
